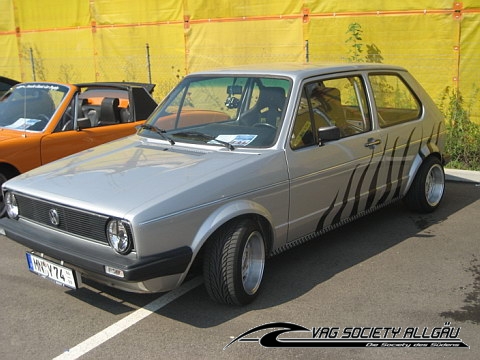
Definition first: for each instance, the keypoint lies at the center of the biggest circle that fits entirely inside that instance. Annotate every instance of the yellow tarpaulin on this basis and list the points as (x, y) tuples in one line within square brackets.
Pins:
[(161, 41), (432, 59)]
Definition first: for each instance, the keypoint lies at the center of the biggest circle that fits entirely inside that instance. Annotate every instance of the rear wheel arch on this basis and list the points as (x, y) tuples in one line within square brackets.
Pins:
[(427, 150), (427, 186)]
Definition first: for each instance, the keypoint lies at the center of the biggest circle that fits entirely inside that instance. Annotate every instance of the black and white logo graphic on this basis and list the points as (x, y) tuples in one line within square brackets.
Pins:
[(54, 217), (276, 335)]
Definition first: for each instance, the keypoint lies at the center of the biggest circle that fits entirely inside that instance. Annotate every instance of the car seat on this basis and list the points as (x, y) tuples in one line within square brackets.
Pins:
[(268, 108), (109, 112)]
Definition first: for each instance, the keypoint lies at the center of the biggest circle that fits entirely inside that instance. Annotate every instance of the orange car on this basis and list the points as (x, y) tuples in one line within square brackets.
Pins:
[(41, 122)]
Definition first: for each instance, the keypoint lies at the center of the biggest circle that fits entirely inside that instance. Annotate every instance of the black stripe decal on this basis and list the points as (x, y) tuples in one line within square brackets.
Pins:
[(388, 189), (338, 216), (373, 185), (321, 222), (331, 227), (359, 189), (402, 165), (438, 133), (431, 135), (420, 146), (322, 229)]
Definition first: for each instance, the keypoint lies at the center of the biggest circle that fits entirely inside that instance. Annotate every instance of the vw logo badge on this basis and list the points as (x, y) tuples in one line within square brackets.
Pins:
[(54, 217)]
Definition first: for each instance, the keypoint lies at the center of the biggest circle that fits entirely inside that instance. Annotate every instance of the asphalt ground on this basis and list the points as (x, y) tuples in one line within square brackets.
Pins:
[(392, 269)]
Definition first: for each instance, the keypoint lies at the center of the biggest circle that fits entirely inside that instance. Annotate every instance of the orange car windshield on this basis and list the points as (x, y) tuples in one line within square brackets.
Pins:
[(30, 106)]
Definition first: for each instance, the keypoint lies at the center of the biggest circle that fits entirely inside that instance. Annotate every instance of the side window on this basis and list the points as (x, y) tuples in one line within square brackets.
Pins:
[(337, 102), (66, 121), (303, 130), (394, 100)]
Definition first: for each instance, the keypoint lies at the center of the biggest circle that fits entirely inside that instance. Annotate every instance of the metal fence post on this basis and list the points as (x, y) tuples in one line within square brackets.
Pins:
[(149, 69), (33, 64), (307, 54)]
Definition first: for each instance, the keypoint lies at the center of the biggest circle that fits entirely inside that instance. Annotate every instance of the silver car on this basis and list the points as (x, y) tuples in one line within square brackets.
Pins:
[(234, 166)]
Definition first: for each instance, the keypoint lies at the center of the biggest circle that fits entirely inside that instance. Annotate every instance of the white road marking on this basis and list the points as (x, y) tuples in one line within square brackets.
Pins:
[(121, 325)]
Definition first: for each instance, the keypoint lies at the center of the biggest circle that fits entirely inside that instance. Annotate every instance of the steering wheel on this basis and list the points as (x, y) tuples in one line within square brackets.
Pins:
[(267, 125), (43, 118)]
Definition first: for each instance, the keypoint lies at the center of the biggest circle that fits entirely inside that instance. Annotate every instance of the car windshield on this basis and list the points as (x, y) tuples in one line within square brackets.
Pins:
[(29, 107), (231, 111)]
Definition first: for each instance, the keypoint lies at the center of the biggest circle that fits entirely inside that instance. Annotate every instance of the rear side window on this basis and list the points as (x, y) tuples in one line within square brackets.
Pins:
[(395, 101)]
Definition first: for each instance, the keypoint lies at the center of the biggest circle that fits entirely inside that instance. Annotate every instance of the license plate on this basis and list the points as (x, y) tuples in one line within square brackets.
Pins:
[(61, 275)]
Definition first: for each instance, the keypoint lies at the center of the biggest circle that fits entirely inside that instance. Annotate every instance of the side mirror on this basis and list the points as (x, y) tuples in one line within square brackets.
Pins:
[(329, 133), (83, 123)]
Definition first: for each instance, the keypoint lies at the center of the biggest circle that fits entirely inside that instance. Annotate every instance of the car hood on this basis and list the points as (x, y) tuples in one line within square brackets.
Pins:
[(7, 134), (127, 176)]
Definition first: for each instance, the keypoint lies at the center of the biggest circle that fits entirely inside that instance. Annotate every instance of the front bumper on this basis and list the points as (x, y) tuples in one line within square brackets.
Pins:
[(94, 260)]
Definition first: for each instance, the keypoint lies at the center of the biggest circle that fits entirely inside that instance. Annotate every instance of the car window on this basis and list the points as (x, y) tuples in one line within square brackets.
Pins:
[(394, 100), (244, 111), (30, 106), (66, 122), (104, 107), (339, 102), (202, 101)]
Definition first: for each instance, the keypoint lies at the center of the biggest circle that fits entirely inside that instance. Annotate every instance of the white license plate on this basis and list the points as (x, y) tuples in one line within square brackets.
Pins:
[(50, 270)]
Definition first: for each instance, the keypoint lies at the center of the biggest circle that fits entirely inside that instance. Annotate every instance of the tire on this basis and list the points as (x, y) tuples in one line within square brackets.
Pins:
[(234, 262), (427, 189)]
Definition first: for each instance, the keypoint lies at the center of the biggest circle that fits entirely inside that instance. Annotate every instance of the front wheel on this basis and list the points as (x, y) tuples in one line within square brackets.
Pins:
[(428, 187), (234, 262)]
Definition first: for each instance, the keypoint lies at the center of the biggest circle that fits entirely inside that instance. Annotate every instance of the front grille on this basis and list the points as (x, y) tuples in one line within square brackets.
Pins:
[(77, 222)]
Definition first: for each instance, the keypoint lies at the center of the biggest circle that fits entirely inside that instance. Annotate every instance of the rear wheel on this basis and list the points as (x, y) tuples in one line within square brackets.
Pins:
[(234, 262), (426, 191)]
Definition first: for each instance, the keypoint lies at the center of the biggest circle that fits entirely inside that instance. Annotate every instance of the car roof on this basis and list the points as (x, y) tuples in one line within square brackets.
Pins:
[(120, 85), (124, 85), (8, 81), (300, 70)]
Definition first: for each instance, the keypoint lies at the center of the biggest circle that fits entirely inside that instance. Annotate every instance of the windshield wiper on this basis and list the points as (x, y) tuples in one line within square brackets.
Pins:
[(202, 136), (159, 131)]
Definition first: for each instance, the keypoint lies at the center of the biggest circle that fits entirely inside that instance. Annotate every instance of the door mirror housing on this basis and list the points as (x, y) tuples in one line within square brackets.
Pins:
[(328, 133), (83, 123)]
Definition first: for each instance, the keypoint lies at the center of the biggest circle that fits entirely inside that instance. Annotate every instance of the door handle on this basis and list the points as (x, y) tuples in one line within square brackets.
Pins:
[(371, 143)]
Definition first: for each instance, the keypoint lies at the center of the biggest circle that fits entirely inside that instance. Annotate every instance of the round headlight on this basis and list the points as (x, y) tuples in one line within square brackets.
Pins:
[(119, 236), (11, 205)]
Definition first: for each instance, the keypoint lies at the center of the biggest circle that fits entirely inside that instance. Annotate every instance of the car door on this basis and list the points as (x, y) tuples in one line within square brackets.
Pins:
[(340, 178), (76, 132)]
